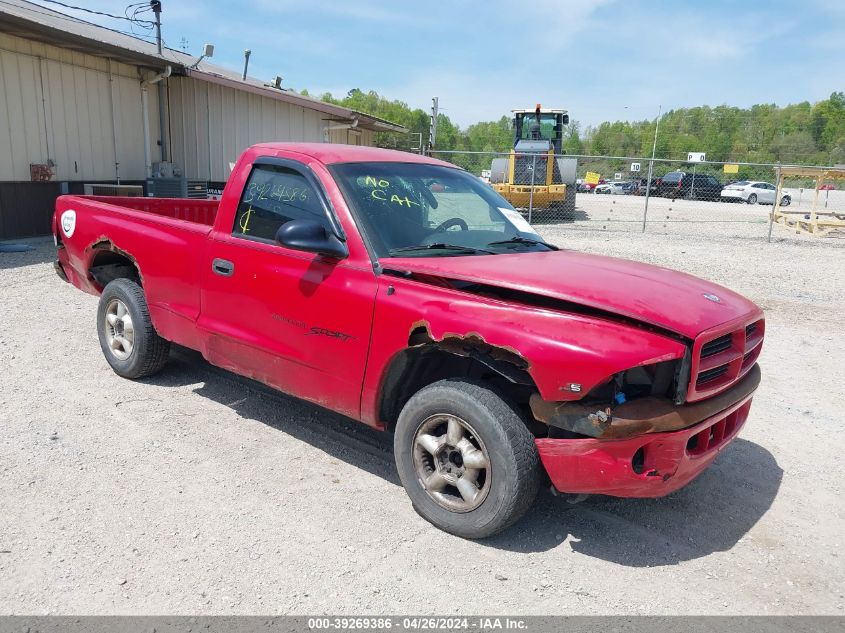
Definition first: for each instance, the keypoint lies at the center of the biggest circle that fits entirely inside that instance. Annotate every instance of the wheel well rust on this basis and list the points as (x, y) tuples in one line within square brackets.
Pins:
[(428, 359), (108, 262)]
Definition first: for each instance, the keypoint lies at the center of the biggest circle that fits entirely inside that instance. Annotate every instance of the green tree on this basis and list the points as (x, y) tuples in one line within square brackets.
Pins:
[(800, 133)]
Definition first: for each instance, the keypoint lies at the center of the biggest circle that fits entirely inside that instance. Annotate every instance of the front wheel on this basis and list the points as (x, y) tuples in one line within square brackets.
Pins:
[(752, 199), (127, 337), (465, 458), (785, 201)]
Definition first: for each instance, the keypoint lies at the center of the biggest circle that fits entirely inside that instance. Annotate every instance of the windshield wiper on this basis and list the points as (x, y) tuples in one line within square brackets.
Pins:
[(524, 240), (441, 246)]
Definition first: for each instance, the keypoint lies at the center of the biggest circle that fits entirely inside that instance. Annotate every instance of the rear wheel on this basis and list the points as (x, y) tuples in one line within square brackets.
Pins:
[(785, 201), (465, 458), (127, 337), (752, 199)]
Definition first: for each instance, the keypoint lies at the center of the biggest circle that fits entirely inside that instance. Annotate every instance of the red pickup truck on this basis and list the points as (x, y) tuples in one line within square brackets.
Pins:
[(404, 292)]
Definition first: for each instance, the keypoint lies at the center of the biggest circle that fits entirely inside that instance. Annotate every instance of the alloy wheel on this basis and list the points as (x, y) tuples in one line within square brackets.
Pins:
[(452, 463), (120, 332)]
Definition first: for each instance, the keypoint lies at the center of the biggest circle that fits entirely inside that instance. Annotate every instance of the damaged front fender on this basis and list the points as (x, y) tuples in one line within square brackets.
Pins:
[(636, 417)]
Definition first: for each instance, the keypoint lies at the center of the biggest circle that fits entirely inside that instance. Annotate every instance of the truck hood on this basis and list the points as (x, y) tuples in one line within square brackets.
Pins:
[(650, 294)]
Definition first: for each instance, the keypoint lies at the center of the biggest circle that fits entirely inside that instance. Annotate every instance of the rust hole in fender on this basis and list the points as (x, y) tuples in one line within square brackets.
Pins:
[(471, 344)]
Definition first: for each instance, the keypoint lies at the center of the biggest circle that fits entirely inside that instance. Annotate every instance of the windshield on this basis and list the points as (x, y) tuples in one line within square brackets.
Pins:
[(418, 210), (532, 130)]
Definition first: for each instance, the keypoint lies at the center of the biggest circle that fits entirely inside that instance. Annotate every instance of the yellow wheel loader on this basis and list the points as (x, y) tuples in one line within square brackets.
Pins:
[(535, 174)]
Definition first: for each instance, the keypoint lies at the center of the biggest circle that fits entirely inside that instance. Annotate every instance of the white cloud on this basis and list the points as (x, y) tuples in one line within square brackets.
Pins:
[(592, 57), (548, 25), (363, 11)]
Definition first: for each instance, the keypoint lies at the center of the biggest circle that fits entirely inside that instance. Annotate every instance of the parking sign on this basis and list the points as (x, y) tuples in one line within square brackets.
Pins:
[(695, 157), (635, 167)]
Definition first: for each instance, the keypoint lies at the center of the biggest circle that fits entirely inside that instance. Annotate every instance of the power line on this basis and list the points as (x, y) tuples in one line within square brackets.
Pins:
[(70, 18), (108, 15)]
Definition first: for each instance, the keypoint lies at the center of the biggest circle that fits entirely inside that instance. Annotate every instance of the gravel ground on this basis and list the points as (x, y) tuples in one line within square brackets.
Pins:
[(198, 492)]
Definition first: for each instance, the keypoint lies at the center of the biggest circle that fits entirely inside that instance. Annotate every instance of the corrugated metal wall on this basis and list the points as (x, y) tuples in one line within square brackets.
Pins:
[(237, 120), (84, 113), (57, 104)]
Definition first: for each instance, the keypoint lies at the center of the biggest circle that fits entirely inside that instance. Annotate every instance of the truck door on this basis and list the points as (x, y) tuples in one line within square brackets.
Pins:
[(295, 320)]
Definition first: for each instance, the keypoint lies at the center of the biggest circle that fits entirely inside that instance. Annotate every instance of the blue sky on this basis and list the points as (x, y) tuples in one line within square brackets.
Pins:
[(600, 59)]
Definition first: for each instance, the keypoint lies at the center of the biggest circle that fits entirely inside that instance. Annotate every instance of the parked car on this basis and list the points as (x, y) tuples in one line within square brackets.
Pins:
[(669, 183), (615, 187), (403, 292), (639, 186), (754, 192), (827, 187), (732, 191), (588, 187), (679, 184)]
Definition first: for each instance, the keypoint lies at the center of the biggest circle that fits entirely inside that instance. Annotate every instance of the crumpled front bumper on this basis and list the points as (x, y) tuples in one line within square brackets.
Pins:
[(648, 465)]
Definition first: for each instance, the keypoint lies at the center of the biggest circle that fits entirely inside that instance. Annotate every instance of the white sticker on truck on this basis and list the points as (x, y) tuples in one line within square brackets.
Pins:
[(518, 221), (68, 222)]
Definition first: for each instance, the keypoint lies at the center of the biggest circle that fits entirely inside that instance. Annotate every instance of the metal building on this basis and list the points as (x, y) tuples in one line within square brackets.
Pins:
[(79, 103)]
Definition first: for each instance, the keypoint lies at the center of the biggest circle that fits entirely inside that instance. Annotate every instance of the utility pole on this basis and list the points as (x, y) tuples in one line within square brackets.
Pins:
[(156, 7), (432, 127), (651, 164)]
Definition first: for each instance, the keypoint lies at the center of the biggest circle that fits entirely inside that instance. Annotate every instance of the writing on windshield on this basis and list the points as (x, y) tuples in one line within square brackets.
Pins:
[(379, 191), (430, 210)]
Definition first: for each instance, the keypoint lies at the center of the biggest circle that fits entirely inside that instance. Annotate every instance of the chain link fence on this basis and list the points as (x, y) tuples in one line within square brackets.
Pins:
[(635, 194)]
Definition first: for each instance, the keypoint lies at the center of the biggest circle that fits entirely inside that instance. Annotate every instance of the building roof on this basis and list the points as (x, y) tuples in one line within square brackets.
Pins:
[(35, 22)]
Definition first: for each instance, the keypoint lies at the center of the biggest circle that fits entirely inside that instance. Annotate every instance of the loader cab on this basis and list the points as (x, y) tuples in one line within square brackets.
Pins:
[(539, 130), (534, 175)]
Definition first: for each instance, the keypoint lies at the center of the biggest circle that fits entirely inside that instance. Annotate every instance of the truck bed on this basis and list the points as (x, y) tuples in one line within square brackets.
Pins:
[(161, 236), (195, 211)]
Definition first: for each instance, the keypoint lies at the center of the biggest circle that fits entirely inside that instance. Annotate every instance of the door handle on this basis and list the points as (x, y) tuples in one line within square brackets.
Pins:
[(223, 267)]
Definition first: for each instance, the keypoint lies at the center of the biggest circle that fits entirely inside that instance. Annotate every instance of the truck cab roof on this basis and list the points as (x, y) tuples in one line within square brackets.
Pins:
[(329, 153)]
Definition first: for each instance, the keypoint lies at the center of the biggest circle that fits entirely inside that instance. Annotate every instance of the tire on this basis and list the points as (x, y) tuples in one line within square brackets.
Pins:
[(785, 201), (752, 199), (493, 428), (566, 209), (127, 337)]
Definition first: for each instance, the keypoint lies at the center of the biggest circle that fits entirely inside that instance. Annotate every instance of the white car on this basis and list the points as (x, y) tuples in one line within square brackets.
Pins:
[(616, 187), (754, 192)]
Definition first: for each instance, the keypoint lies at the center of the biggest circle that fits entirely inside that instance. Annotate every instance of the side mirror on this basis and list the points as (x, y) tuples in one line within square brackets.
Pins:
[(310, 236)]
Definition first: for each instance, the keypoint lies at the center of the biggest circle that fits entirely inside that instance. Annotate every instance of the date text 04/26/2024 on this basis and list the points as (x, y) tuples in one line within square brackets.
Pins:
[(409, 623)]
